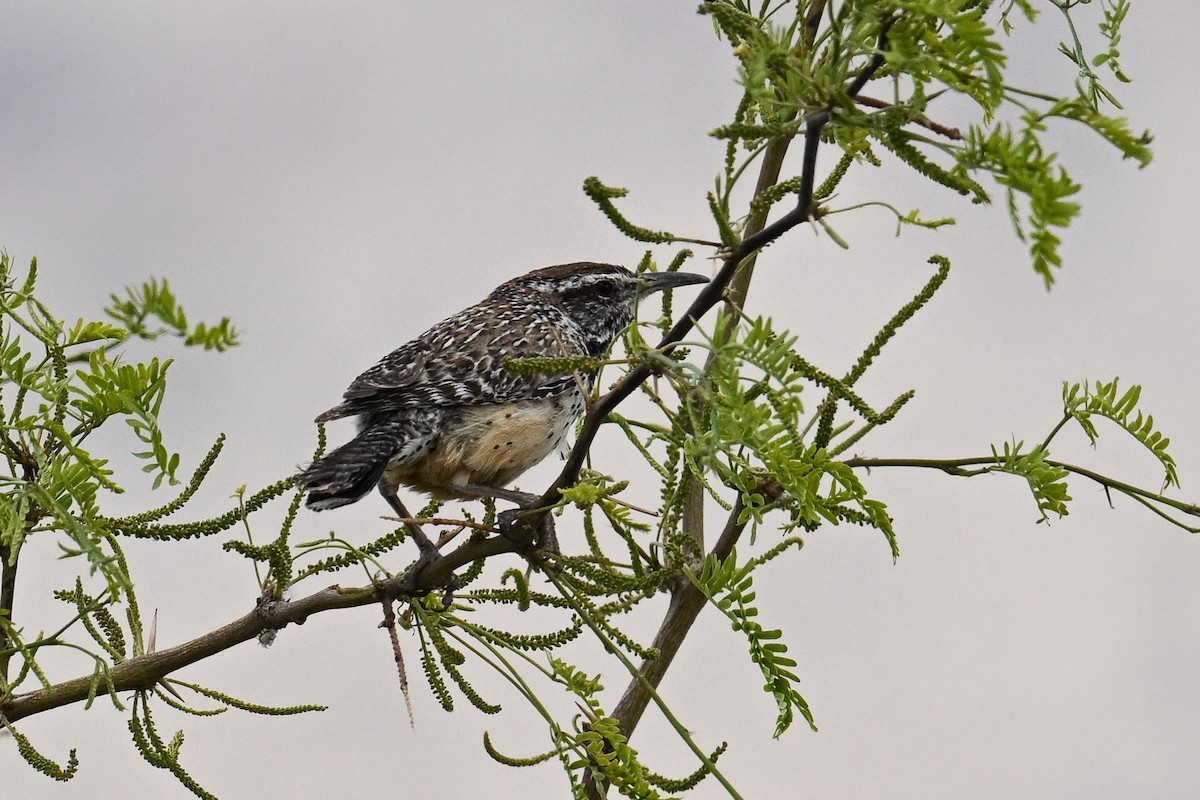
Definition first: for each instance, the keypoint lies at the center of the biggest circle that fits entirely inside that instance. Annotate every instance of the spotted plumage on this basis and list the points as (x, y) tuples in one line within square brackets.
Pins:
[(442, 413)]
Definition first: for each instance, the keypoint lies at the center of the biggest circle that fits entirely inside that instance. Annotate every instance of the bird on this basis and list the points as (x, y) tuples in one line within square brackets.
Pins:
[(444, 415)]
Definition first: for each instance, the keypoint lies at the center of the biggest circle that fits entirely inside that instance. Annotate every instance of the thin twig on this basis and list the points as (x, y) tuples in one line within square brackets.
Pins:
[(389, 622), (924, 122), (459, 523), (711, 294), (960, 467)]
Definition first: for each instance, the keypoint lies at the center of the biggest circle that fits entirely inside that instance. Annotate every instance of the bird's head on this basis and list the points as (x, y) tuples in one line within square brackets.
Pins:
[(600, 298)]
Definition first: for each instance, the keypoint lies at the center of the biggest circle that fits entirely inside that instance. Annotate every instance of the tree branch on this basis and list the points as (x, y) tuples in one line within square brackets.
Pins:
[(812, 22), (961, 467), (942, 130), (142, 672), (686, 599), (8, 556), (8, 592), (686, 602)]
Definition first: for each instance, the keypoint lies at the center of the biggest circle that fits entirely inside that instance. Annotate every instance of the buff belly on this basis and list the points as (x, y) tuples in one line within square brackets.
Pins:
[(489, 445)]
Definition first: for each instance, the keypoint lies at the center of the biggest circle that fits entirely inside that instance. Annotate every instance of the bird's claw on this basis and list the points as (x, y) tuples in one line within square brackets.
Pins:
[(515, 525), (408, 584)]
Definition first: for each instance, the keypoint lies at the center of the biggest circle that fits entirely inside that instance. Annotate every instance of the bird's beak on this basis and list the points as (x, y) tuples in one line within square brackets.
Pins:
[(650, 282)]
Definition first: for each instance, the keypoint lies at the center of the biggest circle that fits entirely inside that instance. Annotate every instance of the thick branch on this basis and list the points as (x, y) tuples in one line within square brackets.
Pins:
[(142, 672), (686, 602), (687, 599)]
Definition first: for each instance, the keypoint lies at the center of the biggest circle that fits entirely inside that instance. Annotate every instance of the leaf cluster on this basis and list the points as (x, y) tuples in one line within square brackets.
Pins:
[(730, 586), (1081, 402), (60, 384), (795, 65), (1047, 482), (152, 310)]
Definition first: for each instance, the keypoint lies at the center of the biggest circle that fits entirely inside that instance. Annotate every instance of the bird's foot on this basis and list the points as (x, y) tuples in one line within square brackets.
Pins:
[(523, 499), (529, 527), (426, 558), (522, 525), (428, 553)]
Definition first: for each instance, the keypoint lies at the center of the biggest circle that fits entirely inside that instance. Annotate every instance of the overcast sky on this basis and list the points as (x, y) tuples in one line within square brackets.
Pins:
[(338, 177)]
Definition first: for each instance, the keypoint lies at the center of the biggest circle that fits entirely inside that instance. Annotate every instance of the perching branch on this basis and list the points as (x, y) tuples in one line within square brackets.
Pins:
[(143, 672)]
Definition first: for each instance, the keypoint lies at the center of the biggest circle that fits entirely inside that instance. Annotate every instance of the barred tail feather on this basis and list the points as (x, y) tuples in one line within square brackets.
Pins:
[(354, 469)]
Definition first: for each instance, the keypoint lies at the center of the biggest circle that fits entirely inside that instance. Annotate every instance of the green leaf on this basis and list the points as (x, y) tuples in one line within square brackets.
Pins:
[(729, 587), (86, 332), (1047, 482), (1082, 401), (154, 300)]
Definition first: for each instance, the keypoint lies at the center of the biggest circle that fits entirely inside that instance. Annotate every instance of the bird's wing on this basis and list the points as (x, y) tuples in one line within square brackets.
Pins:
[(459, 361)]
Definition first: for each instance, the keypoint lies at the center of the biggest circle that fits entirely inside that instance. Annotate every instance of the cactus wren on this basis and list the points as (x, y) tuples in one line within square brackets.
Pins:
[(442, 414)]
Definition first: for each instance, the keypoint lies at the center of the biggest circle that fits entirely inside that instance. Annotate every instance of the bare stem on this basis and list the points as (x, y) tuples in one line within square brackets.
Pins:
[(924, 122), (980, 465)]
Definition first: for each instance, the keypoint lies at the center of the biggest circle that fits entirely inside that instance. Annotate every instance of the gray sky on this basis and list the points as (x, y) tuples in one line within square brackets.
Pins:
[(338, 178)]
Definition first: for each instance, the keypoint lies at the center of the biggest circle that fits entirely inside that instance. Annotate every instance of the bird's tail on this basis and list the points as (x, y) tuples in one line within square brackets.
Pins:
[(349, 472)]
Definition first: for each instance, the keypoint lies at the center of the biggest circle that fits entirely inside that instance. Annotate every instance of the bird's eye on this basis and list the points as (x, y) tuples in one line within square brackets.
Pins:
[(599, 289)]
